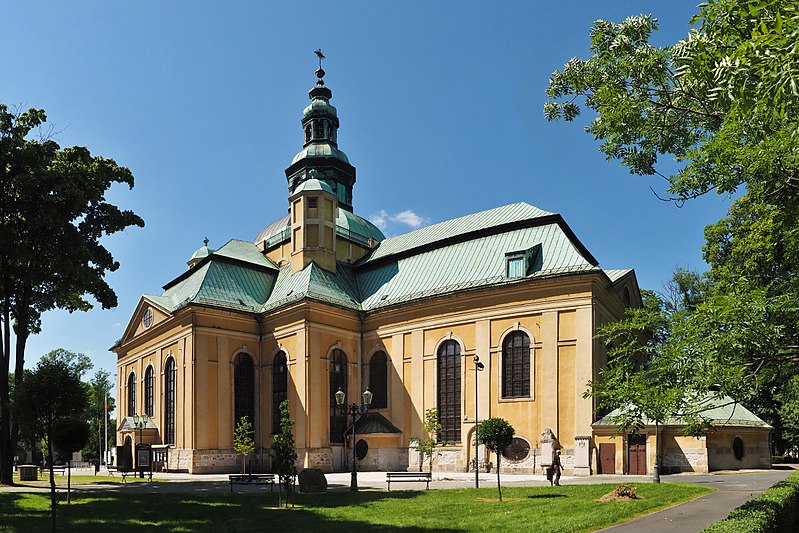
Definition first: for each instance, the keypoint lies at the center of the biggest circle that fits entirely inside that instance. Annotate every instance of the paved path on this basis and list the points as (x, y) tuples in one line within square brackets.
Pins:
[(732, 490)]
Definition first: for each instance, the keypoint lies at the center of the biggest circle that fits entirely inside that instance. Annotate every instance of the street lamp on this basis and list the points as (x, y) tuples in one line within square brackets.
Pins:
[(356, 411), (140, 422), (478, 366)]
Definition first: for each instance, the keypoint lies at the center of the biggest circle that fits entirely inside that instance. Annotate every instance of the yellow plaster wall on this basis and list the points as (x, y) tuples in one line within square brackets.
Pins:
[(566, 395)]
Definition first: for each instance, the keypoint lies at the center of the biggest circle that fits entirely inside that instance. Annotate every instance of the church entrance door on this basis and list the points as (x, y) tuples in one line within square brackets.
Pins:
[(607, 458), (637, 455)]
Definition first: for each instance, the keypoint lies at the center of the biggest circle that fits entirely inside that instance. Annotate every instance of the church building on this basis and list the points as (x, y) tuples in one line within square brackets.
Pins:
[(492, 314)]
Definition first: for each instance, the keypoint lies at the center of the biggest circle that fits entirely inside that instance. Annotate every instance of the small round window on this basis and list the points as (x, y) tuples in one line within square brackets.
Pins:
[(738, 448), (148, 318), (361, 449), (517, 450)]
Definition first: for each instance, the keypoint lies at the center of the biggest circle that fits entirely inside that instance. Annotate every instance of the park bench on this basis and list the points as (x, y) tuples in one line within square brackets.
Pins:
[(408, 477), (252, 479), (124, 472), (57, 469)]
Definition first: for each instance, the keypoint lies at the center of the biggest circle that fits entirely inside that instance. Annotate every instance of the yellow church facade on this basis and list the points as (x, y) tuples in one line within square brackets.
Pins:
[(322, 301)]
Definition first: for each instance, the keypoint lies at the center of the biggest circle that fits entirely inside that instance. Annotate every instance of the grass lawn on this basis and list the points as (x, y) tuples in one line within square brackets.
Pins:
[(61, 481), (568, 508)]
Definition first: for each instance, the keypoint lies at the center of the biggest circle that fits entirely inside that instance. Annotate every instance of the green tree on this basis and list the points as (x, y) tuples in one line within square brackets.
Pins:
[(285, 454), (243, 442), (69, 436), (53, 215), (50, 396), (496, 434), (427, 445), (79, 362), (101, 402), (722, 103)]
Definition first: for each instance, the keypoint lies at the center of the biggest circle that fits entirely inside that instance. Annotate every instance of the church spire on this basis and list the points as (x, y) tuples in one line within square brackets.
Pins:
[(320, 157)]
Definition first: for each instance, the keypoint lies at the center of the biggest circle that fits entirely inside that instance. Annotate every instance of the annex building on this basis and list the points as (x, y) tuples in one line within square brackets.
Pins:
[(321, 300)]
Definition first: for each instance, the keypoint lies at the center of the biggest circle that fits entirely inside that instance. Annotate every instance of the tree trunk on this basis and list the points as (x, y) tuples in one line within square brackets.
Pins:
[(69, 480), (52, 485), (6, 448), (499, 485)]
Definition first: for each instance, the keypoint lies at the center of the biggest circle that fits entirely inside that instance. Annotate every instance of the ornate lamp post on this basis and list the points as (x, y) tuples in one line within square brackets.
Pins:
[(140, 422), (478, 366), (356, 410)]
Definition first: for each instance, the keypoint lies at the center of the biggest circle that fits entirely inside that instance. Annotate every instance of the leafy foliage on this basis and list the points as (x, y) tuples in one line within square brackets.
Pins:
[(48, 402), (285, 453), (243, 442), (53, 214), (722, 103), (496, 434), (427, 446)]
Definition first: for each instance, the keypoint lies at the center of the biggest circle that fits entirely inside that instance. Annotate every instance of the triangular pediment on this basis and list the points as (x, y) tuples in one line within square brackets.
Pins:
[(148, 315)]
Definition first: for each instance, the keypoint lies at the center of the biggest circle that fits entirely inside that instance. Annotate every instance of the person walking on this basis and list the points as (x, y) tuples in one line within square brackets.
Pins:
[(557, 467)]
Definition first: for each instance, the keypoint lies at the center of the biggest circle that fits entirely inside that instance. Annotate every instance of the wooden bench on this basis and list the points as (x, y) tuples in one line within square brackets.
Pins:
[(125, 472), (409, 477), (57, 469), (252, 479)]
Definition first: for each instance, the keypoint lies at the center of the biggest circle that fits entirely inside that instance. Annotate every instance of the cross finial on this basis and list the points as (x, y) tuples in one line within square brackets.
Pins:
[(205, 241), (320, 55)]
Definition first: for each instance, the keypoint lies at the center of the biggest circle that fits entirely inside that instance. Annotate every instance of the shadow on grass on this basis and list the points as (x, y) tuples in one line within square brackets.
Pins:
[(195, 511), (545, 496)]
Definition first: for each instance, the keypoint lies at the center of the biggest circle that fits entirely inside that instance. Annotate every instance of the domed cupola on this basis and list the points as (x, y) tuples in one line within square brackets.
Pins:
[(201, 253), (320, 157)]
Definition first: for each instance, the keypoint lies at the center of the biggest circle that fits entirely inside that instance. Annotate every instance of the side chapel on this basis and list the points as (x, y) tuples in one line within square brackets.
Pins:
[(321, 300)]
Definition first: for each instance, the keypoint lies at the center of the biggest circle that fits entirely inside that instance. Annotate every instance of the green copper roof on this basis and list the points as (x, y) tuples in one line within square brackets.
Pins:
[(457, 226), (616, 275), (313, 184), (319, 106), (246, 252), (477, 262), (371, 423), (348, 225), (316, 283), (354, 224), (320, 149), (720, 410)]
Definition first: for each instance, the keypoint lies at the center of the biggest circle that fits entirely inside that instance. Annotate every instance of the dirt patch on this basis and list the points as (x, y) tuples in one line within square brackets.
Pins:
[(612, 497), (622, 493)]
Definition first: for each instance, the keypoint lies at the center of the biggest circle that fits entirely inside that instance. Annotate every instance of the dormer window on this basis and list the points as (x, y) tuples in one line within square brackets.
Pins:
[(515, 267), (521, 263)]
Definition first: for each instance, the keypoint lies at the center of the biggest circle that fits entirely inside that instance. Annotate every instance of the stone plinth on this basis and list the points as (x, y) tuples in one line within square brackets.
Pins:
[(582, 456), (28, 472)]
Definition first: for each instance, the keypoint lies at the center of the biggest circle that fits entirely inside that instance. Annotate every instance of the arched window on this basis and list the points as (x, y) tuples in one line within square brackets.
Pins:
[(169, 400), (131, 394), (244, 389), (149, 386), (378, 380), (449, 391), (338, 379), (280, 388), (626, 296), (516, 365)]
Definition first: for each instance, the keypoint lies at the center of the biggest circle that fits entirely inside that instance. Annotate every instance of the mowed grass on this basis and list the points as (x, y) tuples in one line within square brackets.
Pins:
[(82, 479), (568, 508)]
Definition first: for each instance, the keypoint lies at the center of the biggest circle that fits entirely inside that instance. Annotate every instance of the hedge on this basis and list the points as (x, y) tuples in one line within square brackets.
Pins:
[(776, 510)]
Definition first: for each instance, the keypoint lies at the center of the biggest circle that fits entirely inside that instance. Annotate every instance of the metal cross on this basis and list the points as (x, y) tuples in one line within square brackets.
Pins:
[(320, 55)]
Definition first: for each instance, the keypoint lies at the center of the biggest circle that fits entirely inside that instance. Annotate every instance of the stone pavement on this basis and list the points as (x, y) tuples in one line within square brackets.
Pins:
[(732, 490)]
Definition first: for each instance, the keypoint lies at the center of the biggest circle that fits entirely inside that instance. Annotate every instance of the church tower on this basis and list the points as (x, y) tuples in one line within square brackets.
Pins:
[(320, 157)]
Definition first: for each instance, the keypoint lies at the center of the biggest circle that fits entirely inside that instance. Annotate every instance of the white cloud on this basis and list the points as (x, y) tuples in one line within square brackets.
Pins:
[(379, 219), (117, 324), (411, 219)]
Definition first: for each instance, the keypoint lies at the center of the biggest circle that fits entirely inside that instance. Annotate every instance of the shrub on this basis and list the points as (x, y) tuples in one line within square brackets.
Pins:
[(775, 510)]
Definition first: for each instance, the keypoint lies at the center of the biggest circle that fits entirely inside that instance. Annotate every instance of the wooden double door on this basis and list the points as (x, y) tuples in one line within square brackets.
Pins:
[(636, 447)]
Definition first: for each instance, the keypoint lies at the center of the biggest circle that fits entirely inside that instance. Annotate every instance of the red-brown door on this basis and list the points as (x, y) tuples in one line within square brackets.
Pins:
[(607, 458), (637, 455)]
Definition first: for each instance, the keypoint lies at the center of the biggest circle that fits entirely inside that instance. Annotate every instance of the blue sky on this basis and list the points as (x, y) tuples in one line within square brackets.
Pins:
[(440, 106)]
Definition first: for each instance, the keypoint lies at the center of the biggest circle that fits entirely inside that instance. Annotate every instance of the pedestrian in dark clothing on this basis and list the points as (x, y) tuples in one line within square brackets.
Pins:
[(557, 467)]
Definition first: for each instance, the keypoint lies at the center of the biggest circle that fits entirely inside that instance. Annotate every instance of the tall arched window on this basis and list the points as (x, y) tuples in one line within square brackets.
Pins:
[(149, 391), (169, 400), (378, 380), (280, 388), (449, 391), (131, 394), (338, 379), (516, 365), (244, 389)]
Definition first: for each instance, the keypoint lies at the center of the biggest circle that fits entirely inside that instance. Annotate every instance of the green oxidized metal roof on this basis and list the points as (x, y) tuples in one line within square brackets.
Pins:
[(237, 276), (348, 225), (616, 275), (473, 263), (720, 410), (371, 423), (316, 283), (357, 225), (457, 226), (320, 149), (319, 106), (313, 185)]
